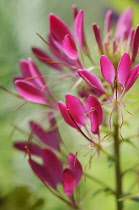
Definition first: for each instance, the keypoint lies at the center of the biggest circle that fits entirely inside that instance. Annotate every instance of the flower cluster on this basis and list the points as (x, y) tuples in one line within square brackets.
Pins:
[(83, 111)]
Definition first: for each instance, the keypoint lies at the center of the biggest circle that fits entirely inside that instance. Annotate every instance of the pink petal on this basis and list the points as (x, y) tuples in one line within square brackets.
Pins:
[(75, 166), (33, 148), (135, 44), (95, 113), (51, 161), (107, 69), (43, 173), (42, 56), (76, 109), (123, 68), (124, 24), (34, 71), (58, 28), (30, 93), (79, 28), (75, 11), (69, 181), (24, 68), (98, 38), (49, 138), (132, 77), (108, 21), (69, 48), (91, 79), (65, 114)]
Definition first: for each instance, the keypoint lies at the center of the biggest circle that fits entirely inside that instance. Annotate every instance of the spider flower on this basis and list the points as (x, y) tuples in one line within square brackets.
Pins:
[(31, 83), (124, 76), (126, 38)]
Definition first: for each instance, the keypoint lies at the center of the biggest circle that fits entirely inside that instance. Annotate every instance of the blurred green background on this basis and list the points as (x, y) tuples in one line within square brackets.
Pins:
[(19, 22)]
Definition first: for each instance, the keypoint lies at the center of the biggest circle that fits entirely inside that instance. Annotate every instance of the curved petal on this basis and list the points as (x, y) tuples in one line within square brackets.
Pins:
[(76, 109), (79, 28), (107, 69), (91, 79), (75, 166), (69, 181), (49, 138), (65, 114), (30, 93), (42, 56), (58, 28), (94, 110), (51, 162), (69, 48), (33, 148), (123, 69), (124, 24), (43, 173), (132, 77)]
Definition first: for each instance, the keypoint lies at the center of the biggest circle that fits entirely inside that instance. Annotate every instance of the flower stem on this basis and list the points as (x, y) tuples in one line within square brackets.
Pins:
[(118, 174)]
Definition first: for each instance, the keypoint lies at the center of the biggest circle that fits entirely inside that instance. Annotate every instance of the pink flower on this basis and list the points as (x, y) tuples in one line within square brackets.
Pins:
[(73, 112), (31, 83)]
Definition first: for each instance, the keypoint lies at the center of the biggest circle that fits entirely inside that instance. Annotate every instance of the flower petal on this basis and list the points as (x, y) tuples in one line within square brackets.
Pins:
[(76, 109), (51, 161), (123, 68), (94, 110), (132, 78), (69, 181), (33, 148), (124, 24), (91, 79), (49, 138), (58, 28), (42, 56), (30, 93), (69, 48), (98, 38), (135, 44), (65, 114), (78, 28), (107, 69), (43, 173), (75, 166)]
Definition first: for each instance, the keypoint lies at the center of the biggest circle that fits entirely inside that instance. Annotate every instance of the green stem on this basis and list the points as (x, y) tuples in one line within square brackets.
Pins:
[(118, 174)]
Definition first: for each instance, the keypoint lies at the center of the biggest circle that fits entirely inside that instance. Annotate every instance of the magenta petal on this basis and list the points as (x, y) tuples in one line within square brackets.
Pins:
[(29, 92), (42, 56), (51, 161), (75, 11), (123, 68), (34, 71), (107, 69), (43, 173), (76, 109), (135, 44), (24, 68), (98, 38), (94, 110), (124, 24), (132, 77), (33, 148), (69, 48), (65, 114), (58, 28), (75, 166), (69, 181), (78, 28), (108, 21), (91, 79), (49, 138)]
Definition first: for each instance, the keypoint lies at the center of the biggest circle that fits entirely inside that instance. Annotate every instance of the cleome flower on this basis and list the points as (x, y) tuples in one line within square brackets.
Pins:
[(119, 81), (125, 39)]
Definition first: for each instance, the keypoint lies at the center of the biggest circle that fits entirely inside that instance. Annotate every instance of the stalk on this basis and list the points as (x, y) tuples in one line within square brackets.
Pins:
[(118, 174)]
